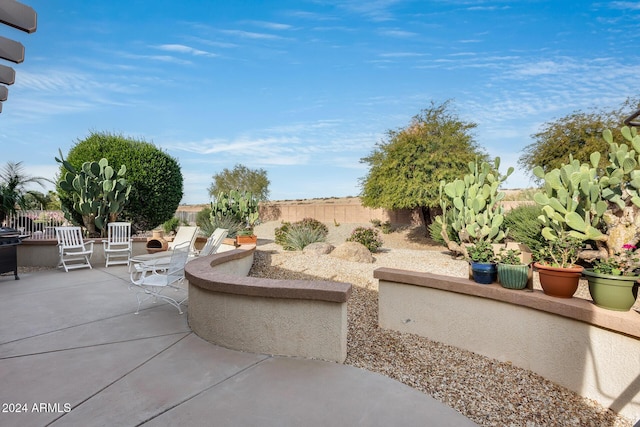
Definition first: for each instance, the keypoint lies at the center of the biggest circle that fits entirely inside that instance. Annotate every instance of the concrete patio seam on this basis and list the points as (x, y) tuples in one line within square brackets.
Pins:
[(211, 387), (93, 345), (121, 377), (83, 324)]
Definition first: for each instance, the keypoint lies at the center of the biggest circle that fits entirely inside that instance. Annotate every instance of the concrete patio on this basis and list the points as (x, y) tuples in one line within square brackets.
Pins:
[(72, 352)]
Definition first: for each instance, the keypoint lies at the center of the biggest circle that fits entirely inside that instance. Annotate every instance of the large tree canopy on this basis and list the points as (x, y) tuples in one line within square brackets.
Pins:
[(405, 170), (241, 178), (155, 177), (578, 134)]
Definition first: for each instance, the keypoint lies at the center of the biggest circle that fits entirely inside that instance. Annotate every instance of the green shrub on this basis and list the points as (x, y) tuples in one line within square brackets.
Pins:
[(203, 220), (434, 233), (171, 226), (155, 177), (281, 232), (299, 235), (228, 223), (524, 226), (369, 237)]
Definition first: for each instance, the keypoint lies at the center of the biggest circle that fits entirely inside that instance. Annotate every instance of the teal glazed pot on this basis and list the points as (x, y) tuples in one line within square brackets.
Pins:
[(513, 276)]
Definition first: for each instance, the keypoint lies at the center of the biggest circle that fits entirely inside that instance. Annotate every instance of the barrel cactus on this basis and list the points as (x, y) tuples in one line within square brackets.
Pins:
[(592, 204), (471, 207), (99, 193)]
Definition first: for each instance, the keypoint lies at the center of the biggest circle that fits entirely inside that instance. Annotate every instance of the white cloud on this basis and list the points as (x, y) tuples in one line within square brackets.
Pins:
[(399, 33), (251, 35), (179, 48)]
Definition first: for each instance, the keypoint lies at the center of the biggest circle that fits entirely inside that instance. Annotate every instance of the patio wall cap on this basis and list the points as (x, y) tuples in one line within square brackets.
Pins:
[(627, 323), (201, 273)]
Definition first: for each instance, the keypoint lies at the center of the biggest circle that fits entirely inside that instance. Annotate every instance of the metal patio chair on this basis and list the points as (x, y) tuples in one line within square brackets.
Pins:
[(184, 234), (74, 252), (117, 247), (152, 281)]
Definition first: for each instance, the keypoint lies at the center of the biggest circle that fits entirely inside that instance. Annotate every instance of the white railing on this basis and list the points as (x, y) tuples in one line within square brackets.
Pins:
[(39, 224)]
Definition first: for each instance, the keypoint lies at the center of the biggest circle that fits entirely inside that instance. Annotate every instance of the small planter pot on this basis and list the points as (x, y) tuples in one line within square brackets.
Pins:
[(484, 273), (617, 293), (246, 240), (559, 282), (513, 276)]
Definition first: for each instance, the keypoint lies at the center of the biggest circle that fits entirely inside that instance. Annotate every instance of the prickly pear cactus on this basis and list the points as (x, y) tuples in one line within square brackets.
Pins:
[(241, 206), (593, 204), (471, 207), (99, 192)]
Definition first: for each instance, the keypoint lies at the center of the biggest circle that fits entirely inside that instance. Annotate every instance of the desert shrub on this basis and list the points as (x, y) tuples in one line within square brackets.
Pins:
[(524, 226), (155, 177), (369, 237), (299, 235), (171, 225), (227, 222), (281, 232), (434, 233)]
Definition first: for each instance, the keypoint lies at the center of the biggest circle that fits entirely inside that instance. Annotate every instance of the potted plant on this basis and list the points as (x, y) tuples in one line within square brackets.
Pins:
[(556, 265), (613, 281), (482, 261), (513, 273), (246, 237)]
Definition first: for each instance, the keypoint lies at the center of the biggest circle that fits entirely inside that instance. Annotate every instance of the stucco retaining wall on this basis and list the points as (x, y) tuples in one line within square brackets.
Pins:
[(592, 351), (281, 317), (44, 252)]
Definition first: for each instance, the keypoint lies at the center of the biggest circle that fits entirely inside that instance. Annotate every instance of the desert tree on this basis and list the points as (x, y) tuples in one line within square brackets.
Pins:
[(405, 169), (241, 178), (578, 134)]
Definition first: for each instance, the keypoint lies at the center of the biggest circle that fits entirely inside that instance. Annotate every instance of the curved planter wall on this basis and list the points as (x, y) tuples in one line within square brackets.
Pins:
[(590, 350), (280, 317)]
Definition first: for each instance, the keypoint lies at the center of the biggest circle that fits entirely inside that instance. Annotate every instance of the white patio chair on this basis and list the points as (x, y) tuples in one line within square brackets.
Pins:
[(151, 281), (74, 252), (117, 247), (184, 234), (213, 242)]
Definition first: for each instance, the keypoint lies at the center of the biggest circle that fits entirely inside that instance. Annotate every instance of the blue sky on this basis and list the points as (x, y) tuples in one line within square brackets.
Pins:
[(305, 88)]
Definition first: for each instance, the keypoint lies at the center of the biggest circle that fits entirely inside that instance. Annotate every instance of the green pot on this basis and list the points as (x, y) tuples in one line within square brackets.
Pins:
[(513, 276), (612, 292)]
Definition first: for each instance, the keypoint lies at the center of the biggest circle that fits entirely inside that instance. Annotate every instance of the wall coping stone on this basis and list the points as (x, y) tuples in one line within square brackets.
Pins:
[(199, 272), (627, 323)]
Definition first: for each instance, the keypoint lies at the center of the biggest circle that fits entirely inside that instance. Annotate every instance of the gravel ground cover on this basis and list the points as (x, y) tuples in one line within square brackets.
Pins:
[(489, 392)]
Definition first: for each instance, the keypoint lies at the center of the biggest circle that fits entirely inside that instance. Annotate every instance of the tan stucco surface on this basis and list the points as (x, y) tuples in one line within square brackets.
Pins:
[(591, 360)]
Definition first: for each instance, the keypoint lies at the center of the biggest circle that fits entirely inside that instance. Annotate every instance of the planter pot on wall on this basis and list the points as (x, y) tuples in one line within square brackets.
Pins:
[(513, 276), (559, 282), (484, 273), (247, 240), (612, 292)]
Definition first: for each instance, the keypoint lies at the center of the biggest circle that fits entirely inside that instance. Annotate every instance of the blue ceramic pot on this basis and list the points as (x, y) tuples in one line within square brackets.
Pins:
[(484, 273)]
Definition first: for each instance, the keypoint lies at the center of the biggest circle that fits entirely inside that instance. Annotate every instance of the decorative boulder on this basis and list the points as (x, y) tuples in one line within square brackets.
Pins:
[(353, 251), (318, 248)]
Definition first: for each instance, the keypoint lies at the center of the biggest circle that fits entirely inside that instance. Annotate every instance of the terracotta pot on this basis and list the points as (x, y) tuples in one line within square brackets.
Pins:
[(247, 240), (557, 281), (617, 293)]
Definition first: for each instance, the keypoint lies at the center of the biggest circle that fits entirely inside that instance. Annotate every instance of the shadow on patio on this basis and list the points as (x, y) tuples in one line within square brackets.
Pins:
[(72, 352)]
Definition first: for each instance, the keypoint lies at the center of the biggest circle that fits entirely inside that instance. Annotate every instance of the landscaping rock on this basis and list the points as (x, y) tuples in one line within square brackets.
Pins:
[(318, 248), (353, 251)]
